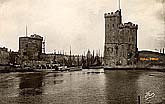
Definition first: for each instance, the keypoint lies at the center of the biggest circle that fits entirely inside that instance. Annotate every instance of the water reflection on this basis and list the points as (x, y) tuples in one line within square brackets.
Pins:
[(151, 82), (31, 84), (8, 85), (52, 78), (112, 87), (58, 81), (121, 87)]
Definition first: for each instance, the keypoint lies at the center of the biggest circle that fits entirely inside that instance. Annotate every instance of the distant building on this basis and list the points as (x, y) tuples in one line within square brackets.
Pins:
[(30, 48), (51, 58), (69, 60), (150, 59), (13, 57), (4, 56), (120, 40)]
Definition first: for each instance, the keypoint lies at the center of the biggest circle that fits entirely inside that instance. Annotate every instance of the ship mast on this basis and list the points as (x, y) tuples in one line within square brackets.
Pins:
[(70, 59)]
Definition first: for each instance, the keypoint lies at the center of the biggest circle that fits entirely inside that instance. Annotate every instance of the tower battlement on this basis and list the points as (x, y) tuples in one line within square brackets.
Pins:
[(128, 25), (36, 37), (113, 14)]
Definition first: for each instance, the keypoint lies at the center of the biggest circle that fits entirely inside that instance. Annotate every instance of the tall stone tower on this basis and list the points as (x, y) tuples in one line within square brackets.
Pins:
[(120, 41)]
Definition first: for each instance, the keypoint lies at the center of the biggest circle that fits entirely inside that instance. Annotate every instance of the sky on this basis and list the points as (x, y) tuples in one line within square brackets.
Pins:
[(79, 23)]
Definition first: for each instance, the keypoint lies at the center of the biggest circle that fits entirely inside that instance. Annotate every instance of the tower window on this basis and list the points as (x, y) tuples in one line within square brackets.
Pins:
[(24, 53), (113, 25), (108, 25), (116, 49)]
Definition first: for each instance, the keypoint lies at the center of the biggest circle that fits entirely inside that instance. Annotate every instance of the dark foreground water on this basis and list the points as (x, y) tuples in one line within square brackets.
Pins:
[(82, 87)]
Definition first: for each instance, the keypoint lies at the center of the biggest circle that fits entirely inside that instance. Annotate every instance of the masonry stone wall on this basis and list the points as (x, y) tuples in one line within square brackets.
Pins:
[(120, 40), (30, 48)]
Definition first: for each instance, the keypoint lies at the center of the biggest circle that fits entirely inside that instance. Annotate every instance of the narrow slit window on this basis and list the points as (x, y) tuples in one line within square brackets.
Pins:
[(108, 25)]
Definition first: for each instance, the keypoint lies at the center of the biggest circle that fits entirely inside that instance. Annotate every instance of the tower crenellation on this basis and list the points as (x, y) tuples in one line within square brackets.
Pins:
[(112, 14), (130, 25)]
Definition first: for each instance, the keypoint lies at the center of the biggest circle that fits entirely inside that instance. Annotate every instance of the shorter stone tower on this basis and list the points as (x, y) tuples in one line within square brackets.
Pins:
[(30, 48), (120, 41)]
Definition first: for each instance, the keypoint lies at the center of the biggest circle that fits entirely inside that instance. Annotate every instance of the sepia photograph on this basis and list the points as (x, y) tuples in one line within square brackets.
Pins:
[(82, 51)]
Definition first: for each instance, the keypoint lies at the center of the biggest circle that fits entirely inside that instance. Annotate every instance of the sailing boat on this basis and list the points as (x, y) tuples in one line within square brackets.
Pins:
[(63, 67), (75, 65), (95, 61)]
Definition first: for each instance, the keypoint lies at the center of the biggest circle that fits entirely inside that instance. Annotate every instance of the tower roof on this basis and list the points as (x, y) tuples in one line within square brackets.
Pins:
[(113, 14)]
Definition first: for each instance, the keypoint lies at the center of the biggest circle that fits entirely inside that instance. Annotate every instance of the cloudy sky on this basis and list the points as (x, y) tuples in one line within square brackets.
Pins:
[(78, 23)]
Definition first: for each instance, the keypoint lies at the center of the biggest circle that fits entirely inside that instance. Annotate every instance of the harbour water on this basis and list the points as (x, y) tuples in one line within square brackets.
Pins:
[(82, 87)]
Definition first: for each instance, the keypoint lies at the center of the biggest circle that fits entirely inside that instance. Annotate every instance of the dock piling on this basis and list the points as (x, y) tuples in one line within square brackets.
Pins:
[(138, 99)]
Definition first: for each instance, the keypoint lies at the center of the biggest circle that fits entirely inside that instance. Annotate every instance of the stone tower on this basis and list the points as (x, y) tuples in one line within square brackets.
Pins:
[(30, 48), (120, 41)]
